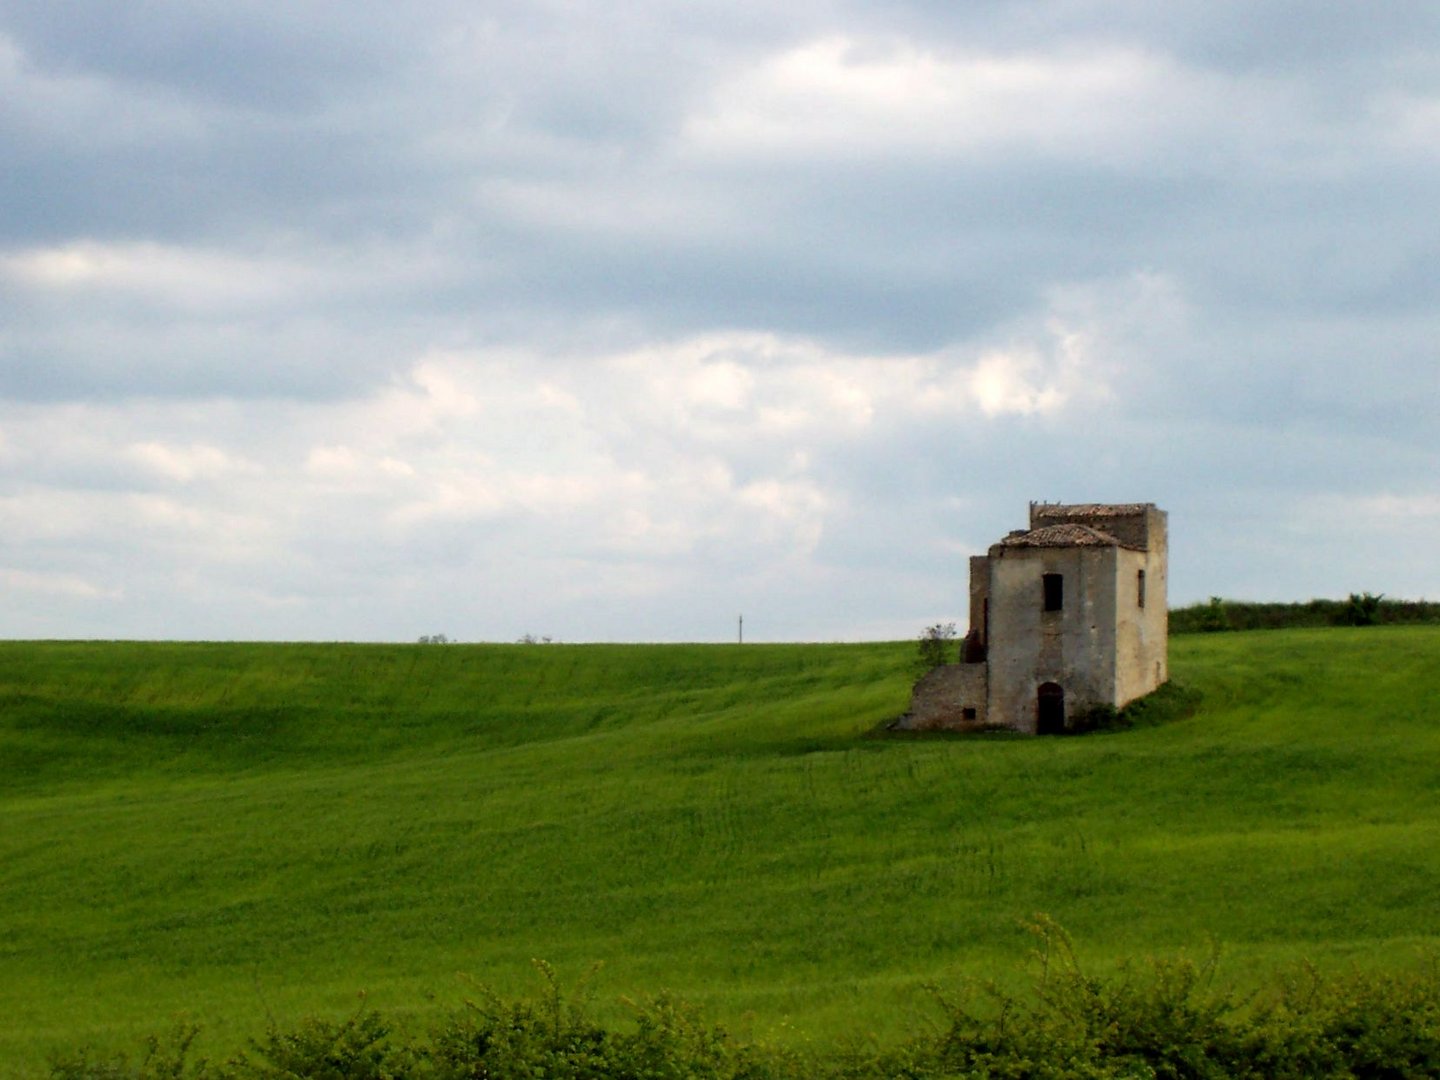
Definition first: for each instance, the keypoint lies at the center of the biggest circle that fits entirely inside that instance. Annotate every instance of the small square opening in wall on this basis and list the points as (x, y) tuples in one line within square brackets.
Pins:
[(968, 713), (1054, 587)]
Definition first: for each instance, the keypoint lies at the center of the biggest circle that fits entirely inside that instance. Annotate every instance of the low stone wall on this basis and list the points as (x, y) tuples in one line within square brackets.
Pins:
[(949, 698)]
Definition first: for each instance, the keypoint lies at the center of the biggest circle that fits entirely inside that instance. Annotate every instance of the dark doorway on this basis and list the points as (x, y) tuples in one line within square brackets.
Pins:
[(1050, 710)]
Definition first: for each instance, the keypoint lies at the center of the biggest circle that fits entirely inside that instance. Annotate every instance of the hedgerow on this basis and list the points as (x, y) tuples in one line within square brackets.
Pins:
[(1358, 609), (1160, 1019)]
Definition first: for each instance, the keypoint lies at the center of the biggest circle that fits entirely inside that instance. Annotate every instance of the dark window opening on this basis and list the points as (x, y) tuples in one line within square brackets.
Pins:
[(1054, 591), (968, 713), (1050, 709), (1140, 586)]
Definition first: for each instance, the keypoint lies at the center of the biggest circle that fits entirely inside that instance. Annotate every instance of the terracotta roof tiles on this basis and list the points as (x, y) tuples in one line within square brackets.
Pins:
[(1065, 535)]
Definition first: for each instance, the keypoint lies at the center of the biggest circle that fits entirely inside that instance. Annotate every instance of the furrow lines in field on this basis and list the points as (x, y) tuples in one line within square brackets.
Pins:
[(980, 865), (818, 810)]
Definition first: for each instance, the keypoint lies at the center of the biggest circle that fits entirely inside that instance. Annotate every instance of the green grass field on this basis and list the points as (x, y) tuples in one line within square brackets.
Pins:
[(233, 832)]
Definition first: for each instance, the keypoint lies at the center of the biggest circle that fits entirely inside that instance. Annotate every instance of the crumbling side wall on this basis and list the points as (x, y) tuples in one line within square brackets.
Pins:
[(980, 599), (949, 698)]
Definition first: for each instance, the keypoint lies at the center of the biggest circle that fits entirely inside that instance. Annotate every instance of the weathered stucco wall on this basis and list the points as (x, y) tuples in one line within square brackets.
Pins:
[(1073, 647), (1142, 634)]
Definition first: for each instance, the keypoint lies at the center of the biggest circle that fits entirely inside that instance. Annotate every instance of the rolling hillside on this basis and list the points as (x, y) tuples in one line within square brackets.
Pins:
[(239, 831)]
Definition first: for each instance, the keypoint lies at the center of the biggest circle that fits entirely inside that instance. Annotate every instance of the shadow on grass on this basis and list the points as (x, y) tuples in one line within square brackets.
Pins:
[(1169, 704)]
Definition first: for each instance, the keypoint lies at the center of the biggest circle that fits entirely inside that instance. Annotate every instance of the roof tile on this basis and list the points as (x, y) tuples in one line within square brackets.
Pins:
[(1066, 535)]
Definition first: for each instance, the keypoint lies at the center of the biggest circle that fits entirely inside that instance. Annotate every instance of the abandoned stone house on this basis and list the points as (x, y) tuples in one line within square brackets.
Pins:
[(1064, 616)]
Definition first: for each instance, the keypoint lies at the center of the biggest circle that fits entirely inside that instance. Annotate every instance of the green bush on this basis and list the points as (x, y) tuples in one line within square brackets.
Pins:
[(165, 1057), (354, 1049), (1167, 703), (1363, 1025), (1158, 1019), (1209, 618), (550, 1037), (1362, 609), (937, 646), (1101, 716)]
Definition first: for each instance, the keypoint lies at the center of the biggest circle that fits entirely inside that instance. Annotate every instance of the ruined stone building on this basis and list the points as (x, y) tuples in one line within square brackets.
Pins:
[(1064, 616)]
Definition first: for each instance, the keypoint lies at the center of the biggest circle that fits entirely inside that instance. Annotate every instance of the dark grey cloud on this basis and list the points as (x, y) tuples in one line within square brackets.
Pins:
[(242, 55), (1277, 36)]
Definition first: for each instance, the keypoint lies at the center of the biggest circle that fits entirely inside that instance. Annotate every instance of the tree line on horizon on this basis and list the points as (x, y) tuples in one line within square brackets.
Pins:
[(1358, 609)]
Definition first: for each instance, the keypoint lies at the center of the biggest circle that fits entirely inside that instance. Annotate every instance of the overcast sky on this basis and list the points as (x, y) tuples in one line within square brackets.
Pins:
[(617, 320)]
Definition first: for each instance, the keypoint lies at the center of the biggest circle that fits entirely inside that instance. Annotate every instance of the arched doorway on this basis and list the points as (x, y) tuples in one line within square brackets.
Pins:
[(1050, 709)]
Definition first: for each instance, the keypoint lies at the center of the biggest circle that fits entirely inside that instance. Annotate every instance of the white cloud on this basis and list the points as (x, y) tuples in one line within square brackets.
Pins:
[(180, 277), (742, 386), (716, 452), (1386, 510), (186, 463), (707, 448), (657, 449), (852, 97), (209, 280), (633, 202), (69, 586), (348, 468), (1410, 122), (36, 518), (1007, 383), (796, 509)]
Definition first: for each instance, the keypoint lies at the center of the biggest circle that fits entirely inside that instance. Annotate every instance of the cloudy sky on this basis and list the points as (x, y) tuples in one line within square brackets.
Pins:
[(614, 321)]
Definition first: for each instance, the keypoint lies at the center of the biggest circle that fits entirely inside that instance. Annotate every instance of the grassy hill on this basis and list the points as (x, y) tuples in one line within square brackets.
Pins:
[(232, 832)]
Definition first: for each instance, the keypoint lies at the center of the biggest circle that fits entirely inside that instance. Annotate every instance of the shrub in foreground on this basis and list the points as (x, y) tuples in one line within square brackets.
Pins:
[(1158, 1020)]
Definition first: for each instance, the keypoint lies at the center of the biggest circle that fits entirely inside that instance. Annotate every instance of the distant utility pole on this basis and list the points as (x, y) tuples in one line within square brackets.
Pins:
[(742, 630)]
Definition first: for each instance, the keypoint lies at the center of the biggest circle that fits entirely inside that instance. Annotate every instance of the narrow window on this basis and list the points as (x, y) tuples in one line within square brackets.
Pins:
[(1054, 591), (1140, 586)]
